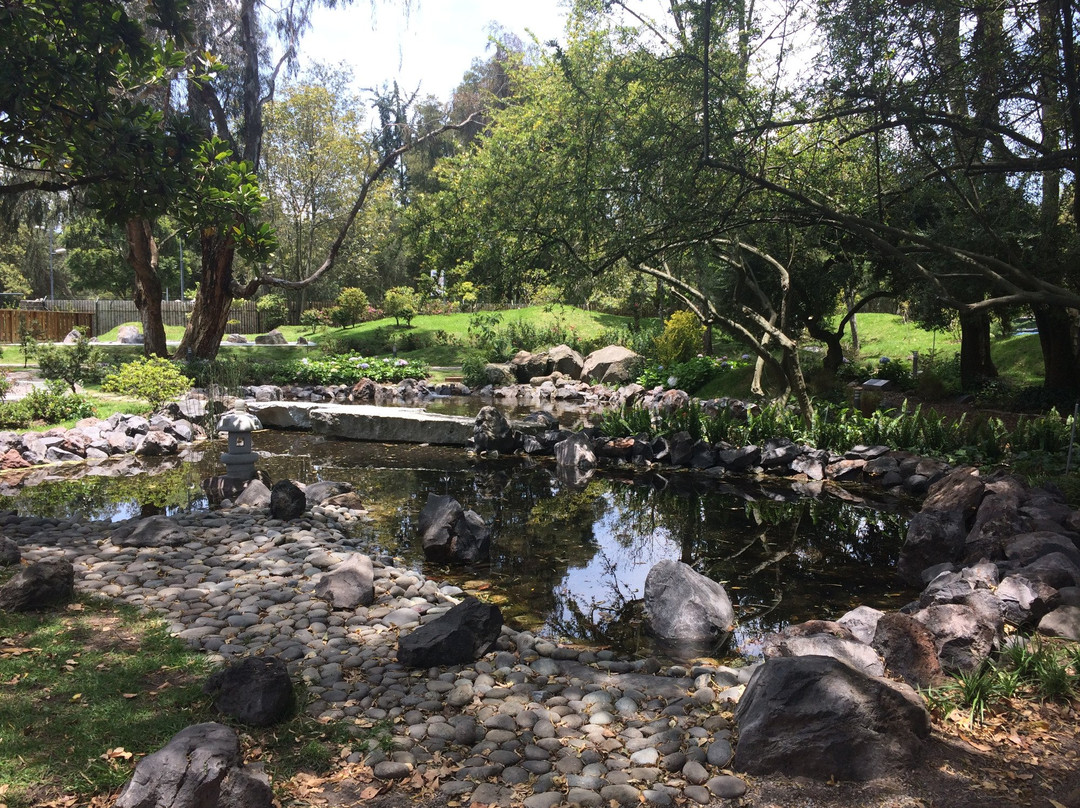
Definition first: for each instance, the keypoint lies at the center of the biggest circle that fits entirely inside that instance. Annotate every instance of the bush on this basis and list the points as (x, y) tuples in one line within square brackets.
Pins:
[(353, 303), (53, 404), (401, 303), (70, 363), (351, 369), (154, 380), (14, 415), (314, 319), (273, 311), (472, 371), (681, 338)]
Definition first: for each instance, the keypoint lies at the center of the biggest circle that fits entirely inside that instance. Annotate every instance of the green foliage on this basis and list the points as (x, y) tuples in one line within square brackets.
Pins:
[(273, 310), (401, 303), (691, 375), (5, 384), (352, 302), (53, 404), (314, 319), (485, 336), (155, 380), (472, 371), (351, 369), (681, 338), (70, 363)]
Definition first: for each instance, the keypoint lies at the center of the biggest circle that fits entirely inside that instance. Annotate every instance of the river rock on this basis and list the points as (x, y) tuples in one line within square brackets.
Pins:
[(823, 638), (820, 718), (1064, 621), (273, 337), (960, 490), (256, 691), (492, 432), (683, 606), (567, 361), (963, 637), (153, 531), (450, 533), (348, 585), (575, 452), (200, 767), (319, 492), (41, 585), (9, 552), (462, 635), (933, 537)]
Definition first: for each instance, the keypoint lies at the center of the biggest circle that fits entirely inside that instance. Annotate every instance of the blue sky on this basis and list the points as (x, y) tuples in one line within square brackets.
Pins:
[(432, 46)]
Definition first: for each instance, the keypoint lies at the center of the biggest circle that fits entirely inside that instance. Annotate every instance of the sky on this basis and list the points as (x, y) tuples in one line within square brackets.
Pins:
[(431, 47)]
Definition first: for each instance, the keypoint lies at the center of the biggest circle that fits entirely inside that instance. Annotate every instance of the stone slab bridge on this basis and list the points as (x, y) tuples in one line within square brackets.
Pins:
[(366, 422)]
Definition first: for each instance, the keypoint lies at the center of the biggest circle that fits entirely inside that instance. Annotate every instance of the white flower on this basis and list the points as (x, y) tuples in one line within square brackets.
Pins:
[(672, 381)]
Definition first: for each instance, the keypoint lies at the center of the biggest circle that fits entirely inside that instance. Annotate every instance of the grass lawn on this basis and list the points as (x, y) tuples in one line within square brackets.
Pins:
[(87, 691)]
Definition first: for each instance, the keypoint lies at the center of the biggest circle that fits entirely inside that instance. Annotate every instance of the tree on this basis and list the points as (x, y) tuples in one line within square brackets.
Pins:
[(353, 303), (401, 303)]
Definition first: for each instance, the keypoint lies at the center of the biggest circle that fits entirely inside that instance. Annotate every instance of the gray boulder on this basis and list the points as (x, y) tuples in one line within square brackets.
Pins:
[(1023, 601), (498, 374), (156, 443), (963, 636), (273, 337), (1064, 621), (9, 552), (320, 492), (566, 360), (287, 500), (575, 452), (462, 635), (129, 335), (450, 533), (41, 585), (823, 638), (933, 537), (820, 718), (200, 767), (256, 691), (683, 606), (527, 365), (350, 584), (492, 432), (612, 365), (960, 490), (908, 648), (253, 494), (861, 622)]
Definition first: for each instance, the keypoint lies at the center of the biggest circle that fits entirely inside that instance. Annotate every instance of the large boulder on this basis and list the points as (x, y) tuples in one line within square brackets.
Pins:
[(823, 638), (963, 634), (612, 365), (908, 648), (200, 767), (273, 337), (567, 361), (818, 717), (933, 537), (41, 585), (499, 374), (462, 635), (492, 432), (529, 365), (320, 492), (450, 533), (685, 607), (960, 490), (575, 452), (256, 691), (287, 500), (129, 335), (348, 585)]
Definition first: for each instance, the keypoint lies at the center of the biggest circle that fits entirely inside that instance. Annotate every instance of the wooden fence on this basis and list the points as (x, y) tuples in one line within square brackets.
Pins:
[(101, 316), (45, 326)]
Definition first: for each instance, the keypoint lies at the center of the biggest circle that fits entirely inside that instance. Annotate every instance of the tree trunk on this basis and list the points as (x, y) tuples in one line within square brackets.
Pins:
[(849, 300), (1059, 338), (210, 313), (976, 364), (143, 258)]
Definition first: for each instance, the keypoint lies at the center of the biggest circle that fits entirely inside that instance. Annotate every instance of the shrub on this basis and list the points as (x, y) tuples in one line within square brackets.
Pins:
[(472, 371), (52, 404), (401, 303), (353, 303), (681, 338), (273, 311), (14, 415), (70, 363), (350, 369), (155, 380), (339, 318), (314, 319), (5, 384)]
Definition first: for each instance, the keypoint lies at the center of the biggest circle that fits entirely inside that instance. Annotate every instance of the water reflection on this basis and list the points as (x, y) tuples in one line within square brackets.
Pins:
[(568, 560)]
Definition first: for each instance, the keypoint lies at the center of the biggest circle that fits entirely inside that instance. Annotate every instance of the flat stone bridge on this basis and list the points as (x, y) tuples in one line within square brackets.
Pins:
[(365, 422)]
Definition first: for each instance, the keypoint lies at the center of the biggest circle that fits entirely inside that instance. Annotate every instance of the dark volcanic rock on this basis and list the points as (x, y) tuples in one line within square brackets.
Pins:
[(256, 691), (287, 500), (43, 584), (820, 718), (462, 635)]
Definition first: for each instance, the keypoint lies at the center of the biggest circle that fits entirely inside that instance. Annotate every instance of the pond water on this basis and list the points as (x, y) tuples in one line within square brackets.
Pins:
[(569, 558)]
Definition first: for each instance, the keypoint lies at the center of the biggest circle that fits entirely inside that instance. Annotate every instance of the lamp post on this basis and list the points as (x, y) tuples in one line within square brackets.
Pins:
[(52, 252)]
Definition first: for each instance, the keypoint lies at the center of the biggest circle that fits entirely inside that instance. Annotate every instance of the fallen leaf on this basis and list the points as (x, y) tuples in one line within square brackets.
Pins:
[(369, 793)]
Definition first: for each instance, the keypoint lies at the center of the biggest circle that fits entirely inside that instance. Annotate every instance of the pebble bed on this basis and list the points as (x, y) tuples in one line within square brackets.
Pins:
[(532, 723)]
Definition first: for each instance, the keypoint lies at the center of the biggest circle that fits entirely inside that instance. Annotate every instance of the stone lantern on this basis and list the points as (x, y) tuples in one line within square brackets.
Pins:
[(239, 459)]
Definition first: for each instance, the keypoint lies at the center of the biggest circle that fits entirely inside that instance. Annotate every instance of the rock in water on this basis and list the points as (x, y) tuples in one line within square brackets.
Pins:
[(287, 500), (450, 533), (256, 691), (818, 717), (200, 767), (46, 583), (462, 635), (685, 607), (492, 432)]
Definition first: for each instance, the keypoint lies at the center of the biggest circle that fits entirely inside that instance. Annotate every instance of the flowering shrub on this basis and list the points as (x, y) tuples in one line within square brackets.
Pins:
[(351, 369)]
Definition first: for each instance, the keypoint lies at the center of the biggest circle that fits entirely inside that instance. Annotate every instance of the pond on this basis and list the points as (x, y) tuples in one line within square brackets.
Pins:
[(569, 559)]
